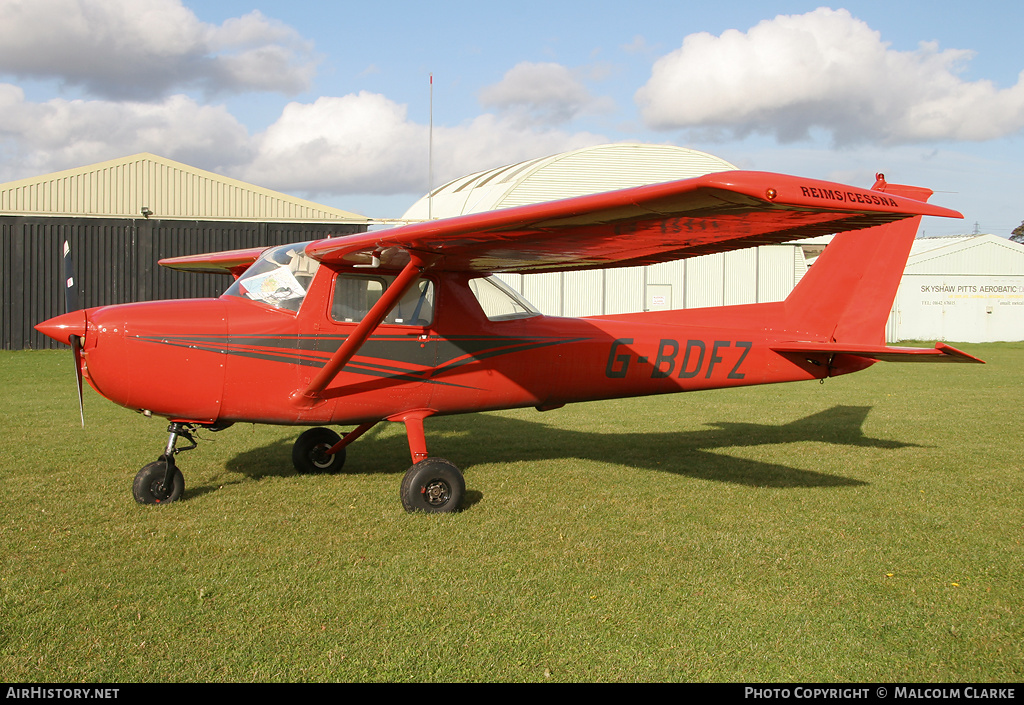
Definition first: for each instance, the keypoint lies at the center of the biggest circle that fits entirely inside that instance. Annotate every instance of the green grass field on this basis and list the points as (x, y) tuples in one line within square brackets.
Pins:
[(866, 529)]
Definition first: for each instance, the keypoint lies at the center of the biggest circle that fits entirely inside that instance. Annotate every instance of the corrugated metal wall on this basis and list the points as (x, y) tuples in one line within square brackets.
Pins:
[(983, 257), (122, 187), (116, 262), (754, 275), (593, 169)]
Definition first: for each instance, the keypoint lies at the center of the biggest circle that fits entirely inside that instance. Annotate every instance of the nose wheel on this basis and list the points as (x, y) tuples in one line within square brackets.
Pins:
[(152, 487), (161, 482)]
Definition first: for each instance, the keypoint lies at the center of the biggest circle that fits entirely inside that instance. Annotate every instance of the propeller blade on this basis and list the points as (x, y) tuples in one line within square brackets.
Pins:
[(71, 304), (76, 350)]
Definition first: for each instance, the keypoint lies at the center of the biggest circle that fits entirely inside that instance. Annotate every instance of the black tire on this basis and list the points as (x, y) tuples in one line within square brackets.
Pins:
[(148, 487), (309, 452), (433, 486)]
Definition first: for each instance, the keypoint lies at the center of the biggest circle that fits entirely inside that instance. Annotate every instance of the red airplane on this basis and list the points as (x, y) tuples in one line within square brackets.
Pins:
[(407, 323)]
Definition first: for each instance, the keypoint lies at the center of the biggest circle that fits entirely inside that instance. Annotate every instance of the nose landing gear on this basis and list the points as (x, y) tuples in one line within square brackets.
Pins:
[(161, 482)]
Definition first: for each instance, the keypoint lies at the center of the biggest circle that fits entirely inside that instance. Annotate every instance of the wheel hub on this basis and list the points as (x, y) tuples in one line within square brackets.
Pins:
[(437, 492), (320, 458), (158, 490)]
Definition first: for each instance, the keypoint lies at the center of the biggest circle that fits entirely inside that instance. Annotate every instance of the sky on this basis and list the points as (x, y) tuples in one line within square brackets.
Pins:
[(331, 101)]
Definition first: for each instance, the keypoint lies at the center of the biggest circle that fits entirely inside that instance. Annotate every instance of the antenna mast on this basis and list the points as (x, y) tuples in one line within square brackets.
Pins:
[(430, 155)]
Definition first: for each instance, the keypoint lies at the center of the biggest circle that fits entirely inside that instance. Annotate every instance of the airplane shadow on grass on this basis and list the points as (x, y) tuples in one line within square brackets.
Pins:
[(487, 438)]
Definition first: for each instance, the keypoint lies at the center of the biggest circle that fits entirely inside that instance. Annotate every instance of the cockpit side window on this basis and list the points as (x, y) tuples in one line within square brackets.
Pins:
[(279, 278), (499, 301), (355, 295)]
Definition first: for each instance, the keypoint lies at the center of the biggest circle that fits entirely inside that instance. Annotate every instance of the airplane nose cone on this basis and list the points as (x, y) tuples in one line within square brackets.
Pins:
[(163, 356), (63, 327)]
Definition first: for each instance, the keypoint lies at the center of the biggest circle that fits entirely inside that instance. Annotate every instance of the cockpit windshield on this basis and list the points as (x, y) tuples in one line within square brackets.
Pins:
[(279, 278)]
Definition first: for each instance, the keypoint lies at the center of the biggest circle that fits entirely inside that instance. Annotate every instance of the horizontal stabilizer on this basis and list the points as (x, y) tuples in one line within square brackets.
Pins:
[(940, 353)]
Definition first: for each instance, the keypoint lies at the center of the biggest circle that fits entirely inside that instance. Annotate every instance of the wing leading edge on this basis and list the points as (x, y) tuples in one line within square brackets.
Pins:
[(642, 225)]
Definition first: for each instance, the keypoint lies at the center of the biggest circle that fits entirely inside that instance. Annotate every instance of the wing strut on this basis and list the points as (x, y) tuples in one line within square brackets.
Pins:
[(310, 396)]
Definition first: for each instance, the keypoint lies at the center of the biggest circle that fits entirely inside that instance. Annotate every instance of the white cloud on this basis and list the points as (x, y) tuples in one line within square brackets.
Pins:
[(339, 144), (365, 143), (37, 138), (144, 49), (824, 70), (488, 141), (541, 94), (638, 45), (359, 143)]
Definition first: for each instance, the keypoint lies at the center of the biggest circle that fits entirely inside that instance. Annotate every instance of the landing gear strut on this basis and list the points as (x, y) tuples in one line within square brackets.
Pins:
[(320, 449), (161, 482), (431, 485)]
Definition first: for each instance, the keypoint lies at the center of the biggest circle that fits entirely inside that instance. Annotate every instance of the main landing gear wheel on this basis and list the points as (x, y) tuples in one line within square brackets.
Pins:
[(309, 454), (433, 486), (150, 488)]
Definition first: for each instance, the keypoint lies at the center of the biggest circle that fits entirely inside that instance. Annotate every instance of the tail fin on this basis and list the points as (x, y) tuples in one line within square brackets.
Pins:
[(847, 294)]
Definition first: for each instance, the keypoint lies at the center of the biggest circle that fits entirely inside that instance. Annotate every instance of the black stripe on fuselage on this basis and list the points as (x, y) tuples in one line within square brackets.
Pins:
[(434, 356)]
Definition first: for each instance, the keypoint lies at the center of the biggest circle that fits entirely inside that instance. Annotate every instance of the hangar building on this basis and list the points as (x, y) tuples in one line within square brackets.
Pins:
[(123, 215), (766, 273), (967, 288)]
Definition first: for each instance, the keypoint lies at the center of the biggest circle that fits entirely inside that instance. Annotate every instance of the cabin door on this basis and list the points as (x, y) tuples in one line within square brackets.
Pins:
[(403, 350)]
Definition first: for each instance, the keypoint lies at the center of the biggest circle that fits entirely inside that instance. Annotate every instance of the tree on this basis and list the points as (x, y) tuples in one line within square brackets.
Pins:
[(1018, 233)]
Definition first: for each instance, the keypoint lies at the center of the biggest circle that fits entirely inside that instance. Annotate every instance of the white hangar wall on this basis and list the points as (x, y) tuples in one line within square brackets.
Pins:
[(968, 289), (765, 273)]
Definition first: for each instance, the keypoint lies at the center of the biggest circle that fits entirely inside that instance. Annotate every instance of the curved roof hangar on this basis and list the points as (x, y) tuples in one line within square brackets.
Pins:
[(577, 173)]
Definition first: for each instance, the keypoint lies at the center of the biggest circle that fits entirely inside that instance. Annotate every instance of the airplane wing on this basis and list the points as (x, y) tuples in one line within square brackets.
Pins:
[(637, 226), (233, 262)]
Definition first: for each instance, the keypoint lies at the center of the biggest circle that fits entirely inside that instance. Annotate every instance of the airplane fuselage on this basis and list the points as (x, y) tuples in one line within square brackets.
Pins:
[(233, 359)]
